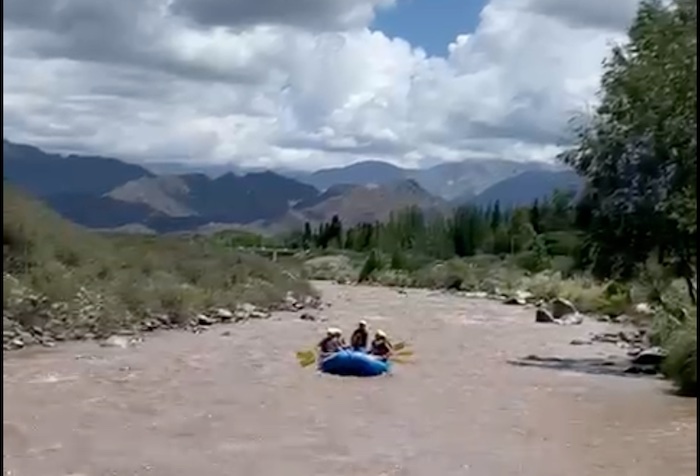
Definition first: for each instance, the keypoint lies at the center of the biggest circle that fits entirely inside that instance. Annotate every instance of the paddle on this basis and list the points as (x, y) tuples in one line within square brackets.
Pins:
[(400, 346), (306, 357), (309, 357), (401, 361)]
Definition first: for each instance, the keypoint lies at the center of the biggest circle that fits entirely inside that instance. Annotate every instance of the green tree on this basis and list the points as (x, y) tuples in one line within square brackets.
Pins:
[(349, 242), (372, 264), (496, 215), (638, 152), (398, 260), (520, 231), (465, 231), (535, 217), (307, 236)]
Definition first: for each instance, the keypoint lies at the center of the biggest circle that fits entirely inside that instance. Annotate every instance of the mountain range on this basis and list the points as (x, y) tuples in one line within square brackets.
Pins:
[(452, 181), (107, 193)]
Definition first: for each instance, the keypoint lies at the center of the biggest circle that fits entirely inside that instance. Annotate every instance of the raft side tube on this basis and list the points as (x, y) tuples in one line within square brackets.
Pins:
[(350, 363)]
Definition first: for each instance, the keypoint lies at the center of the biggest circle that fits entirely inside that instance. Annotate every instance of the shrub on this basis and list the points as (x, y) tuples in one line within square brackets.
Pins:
[(372, 264), (104, 282), (681, 365)]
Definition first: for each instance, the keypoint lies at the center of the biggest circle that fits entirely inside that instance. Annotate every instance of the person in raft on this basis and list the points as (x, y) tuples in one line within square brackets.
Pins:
[(341, 340), (332, 342), (381, 346), (360, 337)]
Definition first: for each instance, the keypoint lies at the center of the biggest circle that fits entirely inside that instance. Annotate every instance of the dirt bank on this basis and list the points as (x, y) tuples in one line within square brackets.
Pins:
[(213, 404)]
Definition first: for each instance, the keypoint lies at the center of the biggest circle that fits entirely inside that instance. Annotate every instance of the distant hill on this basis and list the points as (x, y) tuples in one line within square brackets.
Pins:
[(171, 203), (525, 188), (363, 203), (469, 178), (449, 180), (238, 199), (43, 174), (361, 173), (166, 194), (334, 191), (106, 193), (178, 168), (213, 170), (98, 211)]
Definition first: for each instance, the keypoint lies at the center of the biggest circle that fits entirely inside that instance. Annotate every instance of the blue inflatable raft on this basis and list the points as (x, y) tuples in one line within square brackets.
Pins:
[(352, 363)]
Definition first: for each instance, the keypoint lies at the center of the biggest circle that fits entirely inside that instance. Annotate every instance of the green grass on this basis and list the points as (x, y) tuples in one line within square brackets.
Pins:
[(675, 329), (61, 276), (485, 273), (681, 365)]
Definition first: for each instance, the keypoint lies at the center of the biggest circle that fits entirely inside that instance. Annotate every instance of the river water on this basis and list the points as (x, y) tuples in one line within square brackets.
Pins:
[(233, 401)]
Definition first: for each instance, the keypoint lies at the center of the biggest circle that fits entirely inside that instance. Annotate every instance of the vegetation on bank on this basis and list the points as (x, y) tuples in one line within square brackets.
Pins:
[(65, 280)]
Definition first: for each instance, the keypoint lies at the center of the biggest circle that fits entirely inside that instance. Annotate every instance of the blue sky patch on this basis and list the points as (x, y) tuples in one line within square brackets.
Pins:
[(429, 24)]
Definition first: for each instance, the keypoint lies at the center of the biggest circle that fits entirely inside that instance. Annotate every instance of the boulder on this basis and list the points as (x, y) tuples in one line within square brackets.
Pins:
[(570, 320), (643, 309), (291, 303), (16, 343), (519, 297), (653, 356), (544, 316), (150, 325), (121, 342), (204, 320), (633, 338), (475, 294), (580, 342), (249, 311), (642, 369), (307, 317), (562, 307), (312, 302), (243, 311), (259, 314), (223, 314)]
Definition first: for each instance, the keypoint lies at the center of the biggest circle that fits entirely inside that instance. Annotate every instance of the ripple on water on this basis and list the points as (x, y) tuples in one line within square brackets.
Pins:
[(54, 378)]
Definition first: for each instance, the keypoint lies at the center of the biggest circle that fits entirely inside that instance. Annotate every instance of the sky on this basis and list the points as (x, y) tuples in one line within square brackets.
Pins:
[(304, 84)]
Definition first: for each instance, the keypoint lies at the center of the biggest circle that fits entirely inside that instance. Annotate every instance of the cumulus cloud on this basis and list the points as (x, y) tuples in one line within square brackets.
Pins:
[(315, 14), (598, 14), (261, 83)]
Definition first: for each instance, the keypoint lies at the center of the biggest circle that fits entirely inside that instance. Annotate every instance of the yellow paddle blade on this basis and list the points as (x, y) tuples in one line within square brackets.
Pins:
[(306, 363), (399, 360), (306, 357), (400, 346), (404, 353)]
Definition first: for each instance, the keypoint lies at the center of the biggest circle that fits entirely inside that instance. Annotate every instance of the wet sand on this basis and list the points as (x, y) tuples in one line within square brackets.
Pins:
[(183, 404)]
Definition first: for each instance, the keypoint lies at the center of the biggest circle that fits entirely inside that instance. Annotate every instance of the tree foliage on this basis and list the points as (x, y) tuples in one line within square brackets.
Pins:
[(638, 150), (468, 232)]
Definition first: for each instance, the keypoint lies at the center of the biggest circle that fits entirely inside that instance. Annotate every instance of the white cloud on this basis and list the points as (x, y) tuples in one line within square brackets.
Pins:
[(219, 81)]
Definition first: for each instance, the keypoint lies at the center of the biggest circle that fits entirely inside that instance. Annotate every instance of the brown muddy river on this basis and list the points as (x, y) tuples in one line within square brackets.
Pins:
[(210, 404)]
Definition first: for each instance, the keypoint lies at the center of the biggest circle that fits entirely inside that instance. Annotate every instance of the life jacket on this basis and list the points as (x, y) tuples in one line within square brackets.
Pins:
[(381, 347), (329, 344), (359, 338)]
